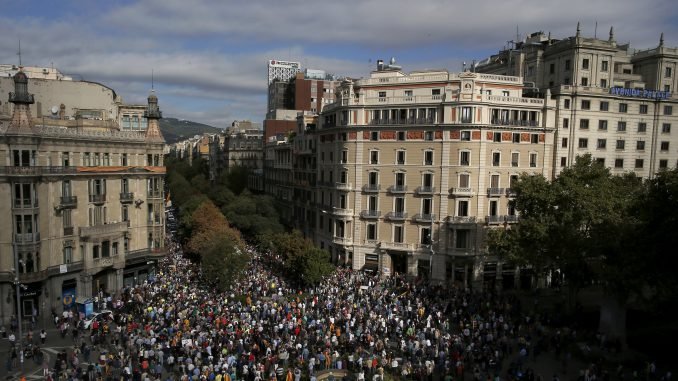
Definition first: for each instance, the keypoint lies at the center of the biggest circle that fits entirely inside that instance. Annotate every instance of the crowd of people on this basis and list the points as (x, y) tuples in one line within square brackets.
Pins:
[(178, 327)]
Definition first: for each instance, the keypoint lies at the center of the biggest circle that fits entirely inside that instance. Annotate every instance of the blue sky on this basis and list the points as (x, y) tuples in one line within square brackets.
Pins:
[(209, 56)]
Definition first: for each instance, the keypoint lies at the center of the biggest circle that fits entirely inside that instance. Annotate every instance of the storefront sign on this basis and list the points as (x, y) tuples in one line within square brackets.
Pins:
[(640, 93)]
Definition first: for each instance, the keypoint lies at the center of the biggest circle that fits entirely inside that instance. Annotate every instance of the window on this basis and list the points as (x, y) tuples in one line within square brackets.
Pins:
[(408, 93), (621, 126), (401, 135), (602, 125), (621, 144), (374, 136), (123, 160), (462, 239), (425, 236), (600, 160), (552, 68), (584, 81), (533, 160), (124, 213), (666, 128), (426, 206), (86, 159), (400, 179), (619, 163), (603, 66), (602, 143), (668, 110), (643, 109), (564, 143), (496, 159), (663, 164), (464, 158), (435, 91), (642, 126), (584, 124), (585, 105), (505, 93), (400, 157), (603, 83), (667, 88), (65, 159), (68, 254), (623, 107), (667, 72), (639, 163), (398, 233), (465, 136), (516, 137), (66, 218), (428, 157), (566, 123), (371, 232), (567, 65), (374, 157), (664, 146), (462, 208), (464, 180), (428, 135), (585, 64), (583, 143), (563, 161), (640, 145), (604, 106), (515, 158), (344, 157), (566, 103), (466, 114), (534, 138), (382, 94), (496, 137)]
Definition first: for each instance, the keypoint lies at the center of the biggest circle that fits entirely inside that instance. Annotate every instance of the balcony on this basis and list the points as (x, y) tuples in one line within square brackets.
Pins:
[(69, 230), (340, 212), (138, 256), (524, 123), (495, 220), (422, 190), (423, 217), (370, 214), (510, 192), (343, 186), (396, 216), (26, 238), (398, 189), (97, 198), (36, 170), (342, 240), (371, 188), (495, 192), (512, 218), (34, 276), (126, 197), (154, 221), (105, 229), (154, 193), (461, 192), (461, 220), (68, 202), (400, 246)]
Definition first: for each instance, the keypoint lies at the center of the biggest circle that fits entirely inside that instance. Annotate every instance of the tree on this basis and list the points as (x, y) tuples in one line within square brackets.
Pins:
[(313, 265), (578, 225)]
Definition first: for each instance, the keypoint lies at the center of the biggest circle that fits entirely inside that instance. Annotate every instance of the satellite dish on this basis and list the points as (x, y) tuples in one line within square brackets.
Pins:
[(54, 110)]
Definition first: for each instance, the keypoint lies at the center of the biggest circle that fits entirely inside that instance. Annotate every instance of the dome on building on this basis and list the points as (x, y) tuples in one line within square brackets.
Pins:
[(20, 77)]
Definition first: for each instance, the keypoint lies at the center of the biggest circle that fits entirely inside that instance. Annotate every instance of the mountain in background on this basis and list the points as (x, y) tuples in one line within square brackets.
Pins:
[(176, 129)]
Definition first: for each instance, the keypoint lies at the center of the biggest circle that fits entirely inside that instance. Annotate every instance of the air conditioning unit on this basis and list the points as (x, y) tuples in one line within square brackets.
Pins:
[(45, 71)]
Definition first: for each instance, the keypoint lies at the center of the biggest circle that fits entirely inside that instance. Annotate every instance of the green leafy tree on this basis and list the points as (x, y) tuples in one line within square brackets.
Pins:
[(314, 265), (223, 261)]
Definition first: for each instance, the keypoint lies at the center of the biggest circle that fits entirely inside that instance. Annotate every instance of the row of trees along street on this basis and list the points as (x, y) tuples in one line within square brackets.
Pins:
[(589, 228), (217, 218)]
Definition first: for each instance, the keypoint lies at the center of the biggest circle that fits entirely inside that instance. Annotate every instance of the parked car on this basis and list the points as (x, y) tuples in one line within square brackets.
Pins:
[(101, 317)]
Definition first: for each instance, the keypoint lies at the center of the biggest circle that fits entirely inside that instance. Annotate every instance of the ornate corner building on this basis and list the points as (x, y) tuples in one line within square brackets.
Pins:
[(83, 201)]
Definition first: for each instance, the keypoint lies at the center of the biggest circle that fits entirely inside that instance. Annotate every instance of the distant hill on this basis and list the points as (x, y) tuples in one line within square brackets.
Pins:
[(175, 129)]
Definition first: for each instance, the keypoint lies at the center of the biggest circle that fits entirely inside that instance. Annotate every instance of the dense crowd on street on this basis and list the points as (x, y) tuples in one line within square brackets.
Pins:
[(176, 326)]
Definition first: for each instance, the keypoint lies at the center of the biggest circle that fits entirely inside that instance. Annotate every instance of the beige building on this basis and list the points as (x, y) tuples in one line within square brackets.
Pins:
[(85, 200), (612, 101), (405, 173)]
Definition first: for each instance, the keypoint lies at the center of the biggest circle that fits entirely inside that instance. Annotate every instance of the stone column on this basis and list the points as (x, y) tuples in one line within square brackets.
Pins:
[(84, 288)]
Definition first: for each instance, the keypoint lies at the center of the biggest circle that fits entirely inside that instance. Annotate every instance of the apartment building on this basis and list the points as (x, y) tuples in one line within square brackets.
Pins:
[(405, 173), (84, 201), (612, 101)]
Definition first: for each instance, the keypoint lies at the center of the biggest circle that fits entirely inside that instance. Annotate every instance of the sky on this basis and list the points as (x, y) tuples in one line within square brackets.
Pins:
[(209, 57)]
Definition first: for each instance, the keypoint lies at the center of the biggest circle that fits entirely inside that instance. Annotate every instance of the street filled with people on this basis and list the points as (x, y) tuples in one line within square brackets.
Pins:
[(176, 326)]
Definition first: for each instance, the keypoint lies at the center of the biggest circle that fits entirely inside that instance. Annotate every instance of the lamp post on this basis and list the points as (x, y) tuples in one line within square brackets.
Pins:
[(17, 286)]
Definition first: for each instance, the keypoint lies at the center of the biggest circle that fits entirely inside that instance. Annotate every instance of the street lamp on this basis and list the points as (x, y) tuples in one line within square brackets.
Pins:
[(17, 286)]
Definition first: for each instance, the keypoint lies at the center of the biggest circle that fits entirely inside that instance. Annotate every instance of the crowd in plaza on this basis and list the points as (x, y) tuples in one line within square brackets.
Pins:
[(177, 327)]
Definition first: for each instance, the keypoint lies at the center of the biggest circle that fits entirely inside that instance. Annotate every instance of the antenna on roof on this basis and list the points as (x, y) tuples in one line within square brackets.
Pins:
[(19, 53), (152, 81)]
